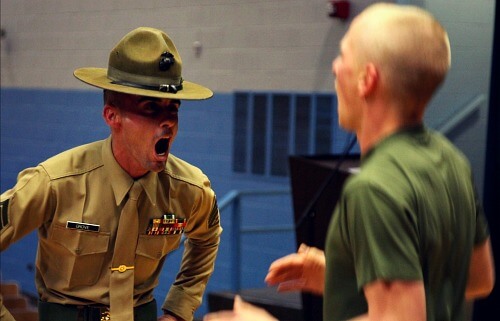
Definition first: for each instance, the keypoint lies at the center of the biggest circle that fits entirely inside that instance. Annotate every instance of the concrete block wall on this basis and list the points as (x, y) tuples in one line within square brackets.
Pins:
[(245, 44)]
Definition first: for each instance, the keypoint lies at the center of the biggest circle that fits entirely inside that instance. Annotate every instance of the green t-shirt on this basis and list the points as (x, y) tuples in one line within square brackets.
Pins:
[(411, 213)]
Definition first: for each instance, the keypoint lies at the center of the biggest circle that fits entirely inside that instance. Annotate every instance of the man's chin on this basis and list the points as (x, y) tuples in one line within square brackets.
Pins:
[(158, 166)]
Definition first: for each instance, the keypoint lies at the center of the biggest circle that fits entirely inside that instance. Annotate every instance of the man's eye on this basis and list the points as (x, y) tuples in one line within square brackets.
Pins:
[(172, 109), (151, 109)]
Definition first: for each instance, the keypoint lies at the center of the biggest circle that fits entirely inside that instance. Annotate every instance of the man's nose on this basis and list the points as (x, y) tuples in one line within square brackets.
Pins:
[(169, 119)]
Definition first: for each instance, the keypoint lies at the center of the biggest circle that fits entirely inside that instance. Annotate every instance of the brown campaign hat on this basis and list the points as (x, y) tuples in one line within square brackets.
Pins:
[(146, 63)]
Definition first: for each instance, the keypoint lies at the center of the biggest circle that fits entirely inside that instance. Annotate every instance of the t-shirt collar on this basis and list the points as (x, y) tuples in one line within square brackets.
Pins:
[(413, 129)]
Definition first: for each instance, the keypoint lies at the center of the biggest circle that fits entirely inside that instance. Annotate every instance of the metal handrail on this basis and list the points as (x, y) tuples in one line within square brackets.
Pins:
[(233, 198), (463, 113), (234, 194)]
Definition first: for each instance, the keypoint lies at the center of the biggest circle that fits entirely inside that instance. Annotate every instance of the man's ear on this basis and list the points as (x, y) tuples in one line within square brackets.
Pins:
[(111, 116), (368, 80)]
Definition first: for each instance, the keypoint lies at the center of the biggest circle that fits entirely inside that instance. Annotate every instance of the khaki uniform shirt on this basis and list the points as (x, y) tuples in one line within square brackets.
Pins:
[(86, 185)]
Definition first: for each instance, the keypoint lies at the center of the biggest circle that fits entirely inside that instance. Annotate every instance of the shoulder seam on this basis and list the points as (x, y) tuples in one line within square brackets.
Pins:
[(184, 179), (72, 173)]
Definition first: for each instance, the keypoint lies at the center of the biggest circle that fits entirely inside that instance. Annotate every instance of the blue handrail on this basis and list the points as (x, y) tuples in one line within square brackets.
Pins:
[(232, 199), (463, 113)]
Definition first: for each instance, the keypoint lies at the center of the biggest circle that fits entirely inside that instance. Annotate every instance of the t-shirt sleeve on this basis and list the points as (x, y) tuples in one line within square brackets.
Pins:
[(382, 234)]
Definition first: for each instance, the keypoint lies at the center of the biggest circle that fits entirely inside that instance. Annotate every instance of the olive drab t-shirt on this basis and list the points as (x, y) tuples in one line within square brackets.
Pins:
[(411, 213), (74, 199)]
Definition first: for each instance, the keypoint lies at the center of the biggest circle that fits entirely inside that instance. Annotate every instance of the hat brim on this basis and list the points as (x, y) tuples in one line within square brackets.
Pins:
[(98, 77)]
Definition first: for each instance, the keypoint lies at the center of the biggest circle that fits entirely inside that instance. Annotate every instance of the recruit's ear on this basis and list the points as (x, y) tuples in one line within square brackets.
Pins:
[(368, 80)]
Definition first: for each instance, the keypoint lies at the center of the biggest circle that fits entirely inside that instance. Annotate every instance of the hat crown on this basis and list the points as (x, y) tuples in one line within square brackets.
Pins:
[(146, 63), (145, 57)]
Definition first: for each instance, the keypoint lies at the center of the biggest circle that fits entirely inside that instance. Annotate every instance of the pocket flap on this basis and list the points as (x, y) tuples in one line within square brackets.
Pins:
[(80, 242)]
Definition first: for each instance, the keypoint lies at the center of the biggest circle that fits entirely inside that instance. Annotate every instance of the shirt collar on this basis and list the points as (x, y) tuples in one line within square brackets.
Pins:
[(419, 131), (121, 181)]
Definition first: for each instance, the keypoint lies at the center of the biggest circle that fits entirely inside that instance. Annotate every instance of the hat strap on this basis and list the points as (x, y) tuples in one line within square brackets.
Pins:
[(163, 88), (168, 85)]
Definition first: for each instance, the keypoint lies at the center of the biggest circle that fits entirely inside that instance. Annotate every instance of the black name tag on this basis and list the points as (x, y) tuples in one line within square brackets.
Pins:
[(82, 226)]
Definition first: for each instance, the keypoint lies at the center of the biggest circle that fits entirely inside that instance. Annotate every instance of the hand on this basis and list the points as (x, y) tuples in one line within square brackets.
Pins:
[(301, 271), (242, 311)]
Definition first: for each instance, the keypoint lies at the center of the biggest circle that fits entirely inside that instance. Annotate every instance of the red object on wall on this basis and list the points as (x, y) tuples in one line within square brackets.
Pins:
[(339, 9)]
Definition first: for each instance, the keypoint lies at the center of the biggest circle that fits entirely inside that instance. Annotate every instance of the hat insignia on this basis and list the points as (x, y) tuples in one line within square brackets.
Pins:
[(166, 61)]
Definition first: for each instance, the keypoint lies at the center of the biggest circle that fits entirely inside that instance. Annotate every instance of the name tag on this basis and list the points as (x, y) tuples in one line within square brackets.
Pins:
[(82, 226)]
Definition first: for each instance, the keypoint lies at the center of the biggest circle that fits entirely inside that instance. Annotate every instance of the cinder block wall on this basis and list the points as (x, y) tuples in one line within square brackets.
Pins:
[(244, 44)]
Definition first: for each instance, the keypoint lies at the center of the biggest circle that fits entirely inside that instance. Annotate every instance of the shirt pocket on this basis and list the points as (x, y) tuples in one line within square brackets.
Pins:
[(80, 256), (151, 251)]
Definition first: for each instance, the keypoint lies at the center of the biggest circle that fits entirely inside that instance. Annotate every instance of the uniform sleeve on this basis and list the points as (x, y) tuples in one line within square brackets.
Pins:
[(203, 236), (382, 235), (24, 207), (4, 313)]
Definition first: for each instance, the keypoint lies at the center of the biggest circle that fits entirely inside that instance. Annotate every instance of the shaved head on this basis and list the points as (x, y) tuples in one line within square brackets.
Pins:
[(407, 44)]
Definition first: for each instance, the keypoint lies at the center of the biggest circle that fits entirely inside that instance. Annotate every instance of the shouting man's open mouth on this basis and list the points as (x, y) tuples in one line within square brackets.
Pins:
[(161, 147)]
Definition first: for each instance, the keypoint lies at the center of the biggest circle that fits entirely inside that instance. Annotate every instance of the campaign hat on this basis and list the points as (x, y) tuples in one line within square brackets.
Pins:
[(144, 62)]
